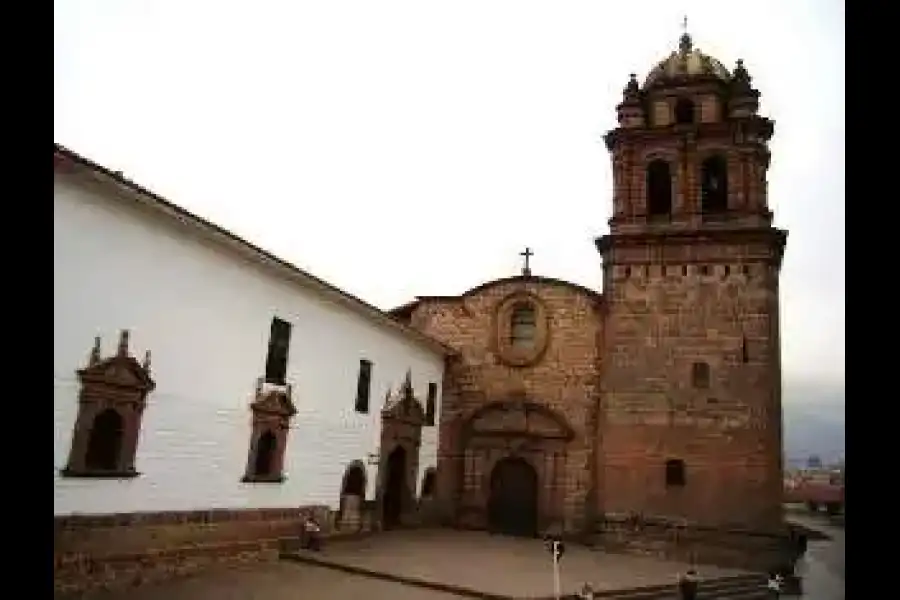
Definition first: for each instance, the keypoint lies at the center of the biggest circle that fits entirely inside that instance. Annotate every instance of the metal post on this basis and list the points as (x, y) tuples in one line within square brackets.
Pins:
[(556, 585)]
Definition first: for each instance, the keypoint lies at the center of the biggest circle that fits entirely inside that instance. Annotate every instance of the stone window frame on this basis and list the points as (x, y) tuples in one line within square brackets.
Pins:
[(271, 413), (118, 383), (701, 375), (520, 356), (675, 473)]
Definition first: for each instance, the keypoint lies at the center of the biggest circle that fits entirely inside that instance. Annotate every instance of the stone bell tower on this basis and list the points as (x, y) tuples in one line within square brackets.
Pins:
[(691, 388)]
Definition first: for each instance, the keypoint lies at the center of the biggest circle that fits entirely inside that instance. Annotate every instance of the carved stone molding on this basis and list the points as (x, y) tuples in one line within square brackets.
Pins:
[(110, 408), (272, 412), (520, 356), (402, 419)]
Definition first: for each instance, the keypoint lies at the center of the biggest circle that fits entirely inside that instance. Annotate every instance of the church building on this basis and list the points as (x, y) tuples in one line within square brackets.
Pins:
[(647, 416)]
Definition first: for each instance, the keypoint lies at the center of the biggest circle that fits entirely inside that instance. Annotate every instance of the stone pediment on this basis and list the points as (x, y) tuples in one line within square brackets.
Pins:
[(404, 405), (120, 371), (275, 402), (519, 418)]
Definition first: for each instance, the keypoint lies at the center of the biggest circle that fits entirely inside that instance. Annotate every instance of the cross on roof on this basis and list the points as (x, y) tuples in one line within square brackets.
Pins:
[(526, 270)]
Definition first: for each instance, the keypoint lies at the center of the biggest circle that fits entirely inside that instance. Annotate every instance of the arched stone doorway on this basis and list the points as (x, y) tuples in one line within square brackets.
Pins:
[(513, 469), (394, 488), (513, 502), (398, 465)]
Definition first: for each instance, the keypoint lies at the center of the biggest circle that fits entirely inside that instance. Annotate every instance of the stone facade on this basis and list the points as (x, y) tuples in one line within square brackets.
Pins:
[(669, 383), (545, 403)]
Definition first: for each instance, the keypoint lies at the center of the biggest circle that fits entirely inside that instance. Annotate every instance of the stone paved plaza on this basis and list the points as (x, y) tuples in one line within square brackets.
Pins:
[(474, 560), (501, 565)]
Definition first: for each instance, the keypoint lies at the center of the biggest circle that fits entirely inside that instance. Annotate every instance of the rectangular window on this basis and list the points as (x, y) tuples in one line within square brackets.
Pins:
[(430, 404), (675, 475), (363, 387), (277, 357)]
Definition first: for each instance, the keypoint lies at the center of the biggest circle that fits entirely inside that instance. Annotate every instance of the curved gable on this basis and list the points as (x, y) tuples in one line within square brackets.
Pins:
[(532, 279), (404, 312)]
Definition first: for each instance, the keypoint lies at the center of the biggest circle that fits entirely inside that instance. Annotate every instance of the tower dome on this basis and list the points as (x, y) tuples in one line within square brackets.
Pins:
[(684, 64)]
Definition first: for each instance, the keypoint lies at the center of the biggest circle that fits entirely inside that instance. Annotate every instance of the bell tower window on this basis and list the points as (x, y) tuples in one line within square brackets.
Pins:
[(714, 178), (684, 111), (659, 189)]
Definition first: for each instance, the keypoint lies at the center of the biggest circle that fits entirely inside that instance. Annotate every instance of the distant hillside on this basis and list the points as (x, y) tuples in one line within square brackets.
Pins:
[(813, 423)]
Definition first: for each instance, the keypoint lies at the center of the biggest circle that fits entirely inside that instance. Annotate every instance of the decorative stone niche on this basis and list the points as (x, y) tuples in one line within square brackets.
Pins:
[(110, 407), (272, 412)]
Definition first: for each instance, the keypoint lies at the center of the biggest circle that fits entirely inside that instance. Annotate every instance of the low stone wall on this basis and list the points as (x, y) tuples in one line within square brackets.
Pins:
[(719, 546), (121, 550)]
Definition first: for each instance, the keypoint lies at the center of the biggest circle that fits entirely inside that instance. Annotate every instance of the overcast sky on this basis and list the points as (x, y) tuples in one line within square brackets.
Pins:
[(402, 148)]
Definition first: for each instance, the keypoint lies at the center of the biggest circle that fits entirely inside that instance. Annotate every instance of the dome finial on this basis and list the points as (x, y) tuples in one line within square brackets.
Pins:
[(685, 43)]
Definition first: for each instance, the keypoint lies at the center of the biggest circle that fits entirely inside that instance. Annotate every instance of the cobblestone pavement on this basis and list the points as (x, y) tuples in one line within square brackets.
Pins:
[(276, 581)]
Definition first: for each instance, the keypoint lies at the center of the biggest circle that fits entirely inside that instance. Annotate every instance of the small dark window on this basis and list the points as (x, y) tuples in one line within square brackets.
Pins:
[(264, 465), (684, 111), (363, 387), (675, 475), (700, 375), (684, 270), (745, 353), (105, 442), (430, 403), (277, 357), (428, 484), (523, 326), (727, 271), (745, 270), (714, 185), (627, 271), (659, 189), (704, 269)]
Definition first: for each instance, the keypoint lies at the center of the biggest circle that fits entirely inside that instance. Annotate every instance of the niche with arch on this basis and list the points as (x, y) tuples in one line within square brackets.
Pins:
[(685, 111), (110, 407), (659, 189), (353, 495), (714, 185), (271, 416)]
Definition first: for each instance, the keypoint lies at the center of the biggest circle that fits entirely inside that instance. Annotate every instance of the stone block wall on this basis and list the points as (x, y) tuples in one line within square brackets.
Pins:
[(690, 542), (118, 551), (562, 376)]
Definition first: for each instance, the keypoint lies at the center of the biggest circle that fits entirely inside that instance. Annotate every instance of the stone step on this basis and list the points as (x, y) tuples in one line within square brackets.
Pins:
[(739, 587)]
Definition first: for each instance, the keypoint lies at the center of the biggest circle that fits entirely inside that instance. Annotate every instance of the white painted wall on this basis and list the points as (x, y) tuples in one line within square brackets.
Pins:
[(205, 314)]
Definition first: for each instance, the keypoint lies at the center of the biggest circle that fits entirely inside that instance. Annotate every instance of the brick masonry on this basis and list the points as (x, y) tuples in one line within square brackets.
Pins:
[(122, 550)]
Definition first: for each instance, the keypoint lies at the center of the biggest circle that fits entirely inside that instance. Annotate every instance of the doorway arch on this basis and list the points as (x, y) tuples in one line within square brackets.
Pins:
[(394, 488), (513, 503)]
